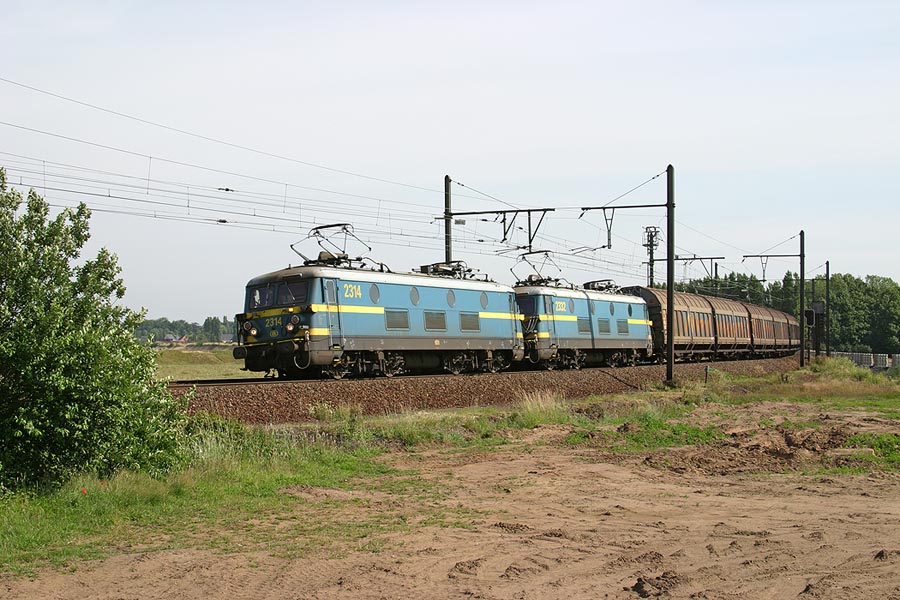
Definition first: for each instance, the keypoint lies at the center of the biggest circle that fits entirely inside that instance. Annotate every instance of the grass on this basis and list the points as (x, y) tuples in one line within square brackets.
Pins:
[(832, 384), (886, 447), (644, 427), (199, 363), (233, 488), (236, 493)]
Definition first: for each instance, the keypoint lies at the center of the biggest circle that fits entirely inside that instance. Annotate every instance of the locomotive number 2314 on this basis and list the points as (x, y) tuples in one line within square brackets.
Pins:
[(352, 290)]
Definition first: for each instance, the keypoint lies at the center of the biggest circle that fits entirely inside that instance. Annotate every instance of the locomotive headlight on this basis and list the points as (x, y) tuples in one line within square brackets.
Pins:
[(289, 326), (247, 325), (253, 331), (295, 319)]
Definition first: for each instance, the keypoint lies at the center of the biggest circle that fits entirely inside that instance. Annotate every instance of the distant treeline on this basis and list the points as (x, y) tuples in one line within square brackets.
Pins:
[(865, 313), (212, 330)]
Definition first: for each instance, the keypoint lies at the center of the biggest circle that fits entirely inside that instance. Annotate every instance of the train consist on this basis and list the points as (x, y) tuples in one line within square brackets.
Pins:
[(331, 318)]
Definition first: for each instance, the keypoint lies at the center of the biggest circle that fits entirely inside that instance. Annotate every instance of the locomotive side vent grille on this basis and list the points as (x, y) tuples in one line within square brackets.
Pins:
[(603, 326)]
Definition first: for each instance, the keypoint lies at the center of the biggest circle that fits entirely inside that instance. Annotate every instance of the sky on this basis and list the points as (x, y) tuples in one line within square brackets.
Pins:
[(208, 137)]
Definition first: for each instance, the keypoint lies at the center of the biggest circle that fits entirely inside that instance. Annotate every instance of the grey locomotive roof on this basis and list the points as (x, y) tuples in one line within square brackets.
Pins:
[(418, 279), (561, 292)]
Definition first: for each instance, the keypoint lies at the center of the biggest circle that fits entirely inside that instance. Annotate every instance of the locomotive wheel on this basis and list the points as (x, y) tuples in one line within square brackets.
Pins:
[(455, 364), (393, 365), (578, 360)]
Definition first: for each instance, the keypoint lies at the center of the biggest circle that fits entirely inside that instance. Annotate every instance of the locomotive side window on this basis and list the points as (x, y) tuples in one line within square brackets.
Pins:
[(630, 310), (374, 293), (548, 305), (396, 319), (484, 300), (571, 306), (435, 321), (584, 325), (622, 326), (293, 292), (260, 297), (451, 298), (414, 295), (612, 308), (603, 326), (469, 322)]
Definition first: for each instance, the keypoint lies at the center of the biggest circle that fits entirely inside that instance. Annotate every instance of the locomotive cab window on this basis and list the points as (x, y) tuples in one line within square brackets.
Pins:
[(293, 292), (260, 297), (330, 292)]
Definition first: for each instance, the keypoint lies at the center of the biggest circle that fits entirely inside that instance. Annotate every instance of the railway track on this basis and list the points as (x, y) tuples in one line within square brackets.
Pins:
[(290, 401), (187, 383)]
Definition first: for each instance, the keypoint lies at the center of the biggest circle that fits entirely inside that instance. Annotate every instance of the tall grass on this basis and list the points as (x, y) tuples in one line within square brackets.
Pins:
[(844, 369), (235, 473)]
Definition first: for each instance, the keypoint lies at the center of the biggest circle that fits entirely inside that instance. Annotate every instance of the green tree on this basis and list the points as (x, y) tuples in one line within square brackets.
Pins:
[(849, 313), (212, 329), (78, 389), (883, 334)]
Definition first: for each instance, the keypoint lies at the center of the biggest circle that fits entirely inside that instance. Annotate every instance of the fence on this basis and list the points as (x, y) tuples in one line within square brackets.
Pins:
[(870, 361)]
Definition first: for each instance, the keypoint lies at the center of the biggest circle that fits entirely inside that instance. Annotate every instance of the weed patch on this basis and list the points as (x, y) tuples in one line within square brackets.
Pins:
[(886, 447)]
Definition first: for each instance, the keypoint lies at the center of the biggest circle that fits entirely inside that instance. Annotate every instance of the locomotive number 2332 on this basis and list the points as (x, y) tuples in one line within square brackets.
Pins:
[(352, 290)]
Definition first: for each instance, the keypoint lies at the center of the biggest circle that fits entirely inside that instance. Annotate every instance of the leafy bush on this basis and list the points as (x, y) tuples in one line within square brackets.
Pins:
[(78, 389)]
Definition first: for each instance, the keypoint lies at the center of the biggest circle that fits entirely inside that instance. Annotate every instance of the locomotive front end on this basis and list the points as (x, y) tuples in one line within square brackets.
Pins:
[(275, 331)]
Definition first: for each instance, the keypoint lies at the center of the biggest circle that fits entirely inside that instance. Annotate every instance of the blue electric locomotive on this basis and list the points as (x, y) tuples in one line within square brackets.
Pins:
[(329, 318), (569, 327)]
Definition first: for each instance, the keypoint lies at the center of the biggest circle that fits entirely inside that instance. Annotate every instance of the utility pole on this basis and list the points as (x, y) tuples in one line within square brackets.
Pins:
[(670, 263), (827, 309), (670, 275), (816, 343), (802, 299), (651, 242), (802, 316), (448, 216), (716, 270)]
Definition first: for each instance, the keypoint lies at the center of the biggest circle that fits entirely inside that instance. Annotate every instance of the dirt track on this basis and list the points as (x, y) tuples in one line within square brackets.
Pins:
[(734, 519)]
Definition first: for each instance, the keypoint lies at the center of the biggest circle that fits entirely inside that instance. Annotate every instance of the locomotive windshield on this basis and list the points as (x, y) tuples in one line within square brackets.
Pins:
[(277, 294), (260, 297), (292, 292)]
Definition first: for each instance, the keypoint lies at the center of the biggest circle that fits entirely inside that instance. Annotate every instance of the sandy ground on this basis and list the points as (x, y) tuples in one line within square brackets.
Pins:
[(737, 519)]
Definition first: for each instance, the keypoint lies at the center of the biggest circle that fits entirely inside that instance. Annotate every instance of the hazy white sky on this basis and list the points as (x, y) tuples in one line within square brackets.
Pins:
[(777, 117)]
